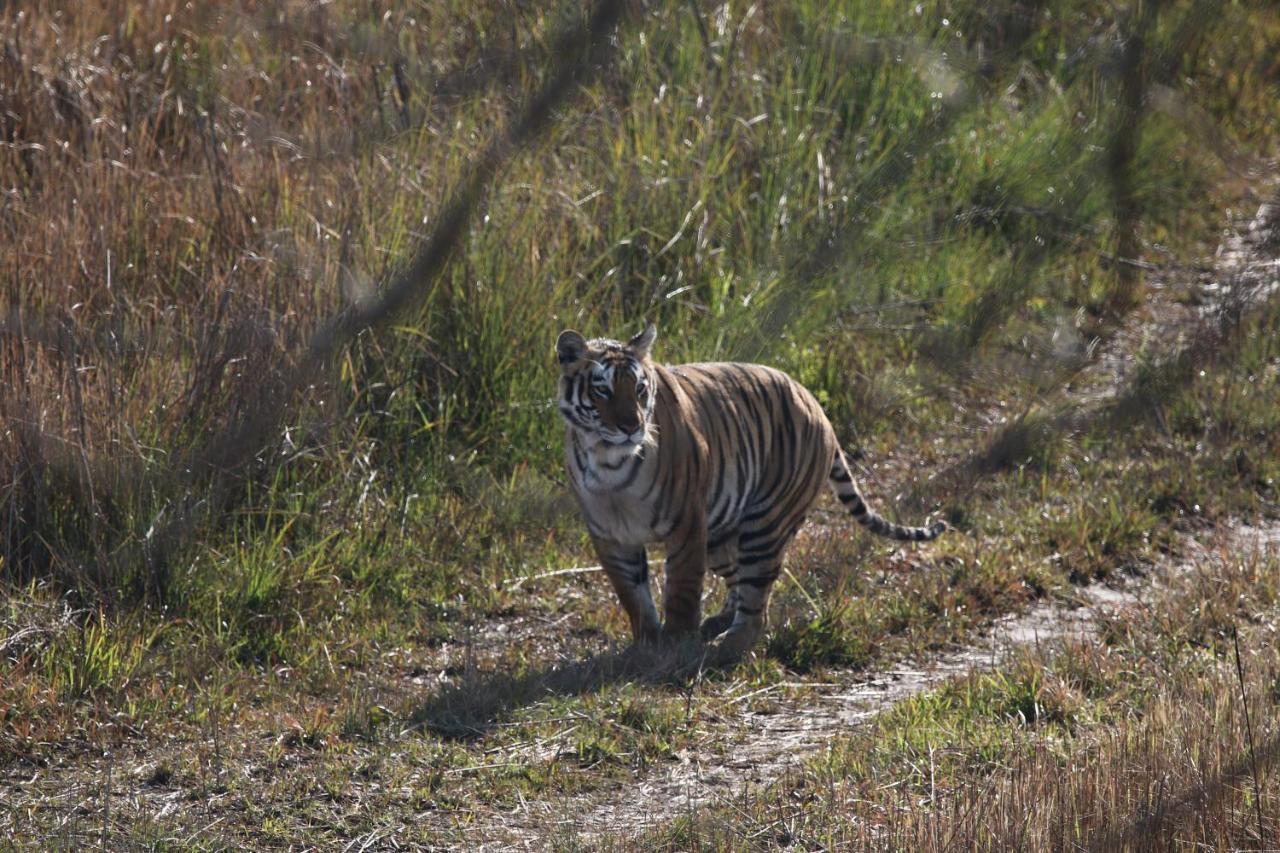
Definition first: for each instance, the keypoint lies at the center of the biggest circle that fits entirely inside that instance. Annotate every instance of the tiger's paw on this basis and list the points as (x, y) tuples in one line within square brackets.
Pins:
[(735, 644), (672, 657), (678, 632), (714, 626), (643, 656)]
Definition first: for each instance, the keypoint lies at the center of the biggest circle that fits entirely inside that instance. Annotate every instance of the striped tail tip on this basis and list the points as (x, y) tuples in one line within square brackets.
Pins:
[(919, 534)]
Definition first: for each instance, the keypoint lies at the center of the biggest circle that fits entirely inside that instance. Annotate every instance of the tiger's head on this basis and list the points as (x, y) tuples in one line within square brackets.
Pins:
[(607, 389)]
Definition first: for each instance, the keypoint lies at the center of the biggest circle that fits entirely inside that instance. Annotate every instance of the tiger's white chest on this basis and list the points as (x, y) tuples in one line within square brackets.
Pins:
[(610, 488), (619, 517)]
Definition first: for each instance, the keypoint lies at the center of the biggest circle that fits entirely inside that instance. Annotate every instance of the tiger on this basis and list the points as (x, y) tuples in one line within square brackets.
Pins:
[(720, 462)]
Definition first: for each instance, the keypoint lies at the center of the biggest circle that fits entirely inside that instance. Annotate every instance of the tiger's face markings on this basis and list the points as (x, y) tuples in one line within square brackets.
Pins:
[(607, 389)]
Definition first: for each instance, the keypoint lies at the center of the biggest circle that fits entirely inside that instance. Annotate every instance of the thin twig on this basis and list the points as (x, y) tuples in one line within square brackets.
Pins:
[(576, 570), (1248, 727)]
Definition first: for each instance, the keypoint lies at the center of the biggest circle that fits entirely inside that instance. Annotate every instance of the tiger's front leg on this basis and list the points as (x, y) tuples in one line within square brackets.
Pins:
[(686, 567), (628, 570)]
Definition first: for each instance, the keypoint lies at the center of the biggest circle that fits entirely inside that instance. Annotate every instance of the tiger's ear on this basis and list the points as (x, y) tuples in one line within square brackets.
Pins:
[(640, 343), (570, 347)]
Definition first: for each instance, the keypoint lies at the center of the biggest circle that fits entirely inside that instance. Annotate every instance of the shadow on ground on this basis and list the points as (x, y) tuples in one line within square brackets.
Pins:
[(482, 700)]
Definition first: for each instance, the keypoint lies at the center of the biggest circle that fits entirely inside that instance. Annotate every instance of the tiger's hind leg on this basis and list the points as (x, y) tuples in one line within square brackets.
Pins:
[(760, 550), (722, 559), (714, 626)]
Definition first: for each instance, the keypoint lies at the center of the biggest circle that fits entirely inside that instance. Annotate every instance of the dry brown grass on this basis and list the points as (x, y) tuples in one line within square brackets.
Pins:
[(194, 191)]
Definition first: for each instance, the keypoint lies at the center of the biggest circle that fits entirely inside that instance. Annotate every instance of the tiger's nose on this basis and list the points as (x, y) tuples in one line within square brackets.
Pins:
[(629, 425)]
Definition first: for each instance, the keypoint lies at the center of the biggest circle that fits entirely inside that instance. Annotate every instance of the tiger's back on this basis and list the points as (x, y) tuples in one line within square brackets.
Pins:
[(769, 444)]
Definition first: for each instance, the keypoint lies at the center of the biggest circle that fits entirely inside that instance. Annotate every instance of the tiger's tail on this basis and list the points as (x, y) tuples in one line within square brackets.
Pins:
[(841, 480)]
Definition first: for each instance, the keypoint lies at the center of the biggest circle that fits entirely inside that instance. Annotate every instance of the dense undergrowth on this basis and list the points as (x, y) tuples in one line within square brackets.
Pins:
[(924, 211)]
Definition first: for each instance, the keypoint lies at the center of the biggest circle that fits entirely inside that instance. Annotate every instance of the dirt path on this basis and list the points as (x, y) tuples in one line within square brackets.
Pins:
[(770, 744)]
